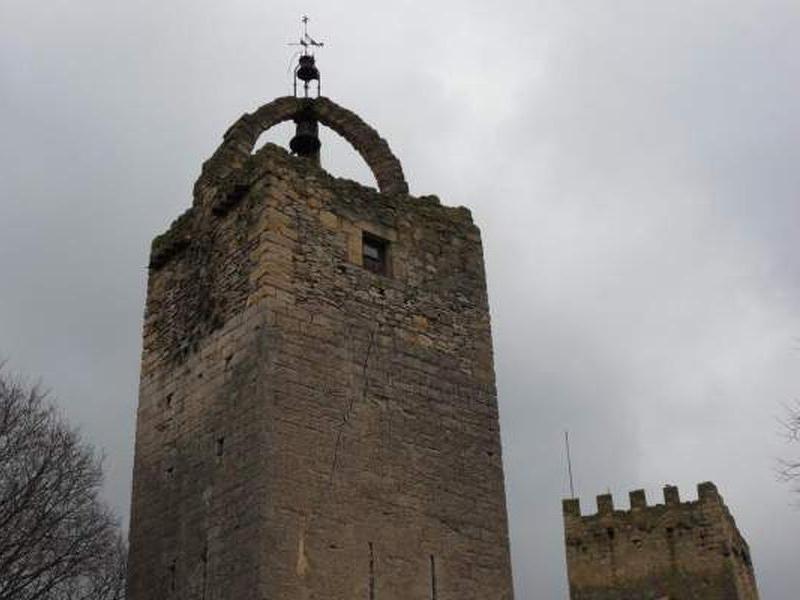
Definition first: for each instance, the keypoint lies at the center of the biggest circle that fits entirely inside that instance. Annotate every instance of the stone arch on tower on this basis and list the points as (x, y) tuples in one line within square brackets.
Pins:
[(240, 140)]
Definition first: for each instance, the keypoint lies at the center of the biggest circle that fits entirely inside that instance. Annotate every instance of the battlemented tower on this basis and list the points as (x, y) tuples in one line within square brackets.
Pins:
[(317, 413), (676, 550)]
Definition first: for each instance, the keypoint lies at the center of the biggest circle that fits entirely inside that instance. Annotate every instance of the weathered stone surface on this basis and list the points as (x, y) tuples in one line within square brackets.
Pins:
[(308, 428), (677, 550)]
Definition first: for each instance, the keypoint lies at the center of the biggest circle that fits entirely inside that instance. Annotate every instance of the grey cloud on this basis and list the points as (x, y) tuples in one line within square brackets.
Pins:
[(632, 166)]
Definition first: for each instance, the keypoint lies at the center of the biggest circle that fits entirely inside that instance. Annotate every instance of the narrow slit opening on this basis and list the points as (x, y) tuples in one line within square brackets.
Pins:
[(433, 577), (371, 572)]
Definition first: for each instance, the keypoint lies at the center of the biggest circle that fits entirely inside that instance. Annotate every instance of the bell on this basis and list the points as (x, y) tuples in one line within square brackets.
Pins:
[(306, 139), (307, 71)]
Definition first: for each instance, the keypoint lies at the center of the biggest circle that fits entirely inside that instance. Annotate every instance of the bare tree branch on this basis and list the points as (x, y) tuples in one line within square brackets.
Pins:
[(789, 469), (58, 540)]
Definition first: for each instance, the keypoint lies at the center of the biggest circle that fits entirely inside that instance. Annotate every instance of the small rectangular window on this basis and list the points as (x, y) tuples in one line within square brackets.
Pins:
[(375, 254)]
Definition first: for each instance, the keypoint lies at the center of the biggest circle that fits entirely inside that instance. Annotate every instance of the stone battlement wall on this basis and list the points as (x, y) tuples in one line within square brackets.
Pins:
[(675, 549)]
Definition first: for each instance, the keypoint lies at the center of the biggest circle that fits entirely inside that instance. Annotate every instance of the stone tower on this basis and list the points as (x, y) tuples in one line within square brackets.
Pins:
[(317, 412), (676, 550)]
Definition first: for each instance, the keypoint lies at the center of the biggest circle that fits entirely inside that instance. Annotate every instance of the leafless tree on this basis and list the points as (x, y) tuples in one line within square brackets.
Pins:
[(58, 540), (789, 469)]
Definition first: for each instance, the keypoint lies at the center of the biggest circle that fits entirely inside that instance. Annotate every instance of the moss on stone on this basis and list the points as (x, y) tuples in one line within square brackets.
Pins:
[(172, 241)]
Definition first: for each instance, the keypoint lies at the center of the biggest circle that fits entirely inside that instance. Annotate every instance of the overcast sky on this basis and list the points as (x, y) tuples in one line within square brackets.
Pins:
[(634, 167)]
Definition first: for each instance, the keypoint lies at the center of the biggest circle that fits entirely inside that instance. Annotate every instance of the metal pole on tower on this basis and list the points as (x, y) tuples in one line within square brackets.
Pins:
[(569, 466)]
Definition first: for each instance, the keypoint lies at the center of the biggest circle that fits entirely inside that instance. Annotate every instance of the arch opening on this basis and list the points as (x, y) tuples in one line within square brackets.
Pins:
[(279, 134), (337, 155), (241, 139)]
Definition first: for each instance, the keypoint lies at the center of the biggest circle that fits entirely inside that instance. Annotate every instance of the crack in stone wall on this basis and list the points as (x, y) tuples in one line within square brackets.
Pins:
[(349, 409)]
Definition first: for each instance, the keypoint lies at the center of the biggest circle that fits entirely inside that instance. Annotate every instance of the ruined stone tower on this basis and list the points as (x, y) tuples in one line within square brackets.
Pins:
[(676, 550), (317, 413)]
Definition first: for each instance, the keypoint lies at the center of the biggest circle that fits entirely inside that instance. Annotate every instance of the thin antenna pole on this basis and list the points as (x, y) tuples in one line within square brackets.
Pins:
[(569, 466)]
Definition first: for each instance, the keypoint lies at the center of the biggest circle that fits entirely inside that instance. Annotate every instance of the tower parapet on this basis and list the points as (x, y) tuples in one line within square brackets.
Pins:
[(677, 549)]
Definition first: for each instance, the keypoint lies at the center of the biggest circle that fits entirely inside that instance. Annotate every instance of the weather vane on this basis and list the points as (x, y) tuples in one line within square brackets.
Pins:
[(306, 69)]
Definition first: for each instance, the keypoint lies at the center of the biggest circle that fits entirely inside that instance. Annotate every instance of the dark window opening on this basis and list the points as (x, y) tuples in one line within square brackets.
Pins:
[(375, 254), (220, 446)]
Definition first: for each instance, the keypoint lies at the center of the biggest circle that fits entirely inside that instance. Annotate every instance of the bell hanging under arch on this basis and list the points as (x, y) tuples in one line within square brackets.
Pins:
[(306, 139)]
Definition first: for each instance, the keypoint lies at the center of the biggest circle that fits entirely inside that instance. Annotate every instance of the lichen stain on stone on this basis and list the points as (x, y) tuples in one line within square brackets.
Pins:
[(302, 559)]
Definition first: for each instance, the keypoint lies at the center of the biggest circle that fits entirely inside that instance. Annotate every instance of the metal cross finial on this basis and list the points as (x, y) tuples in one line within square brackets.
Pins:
[(306, 41)]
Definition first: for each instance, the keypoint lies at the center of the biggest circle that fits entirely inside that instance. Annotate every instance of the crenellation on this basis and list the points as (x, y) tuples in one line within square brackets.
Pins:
[(707, 492), (605, 504), (671, 495), (571, 507), (638, 500)]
